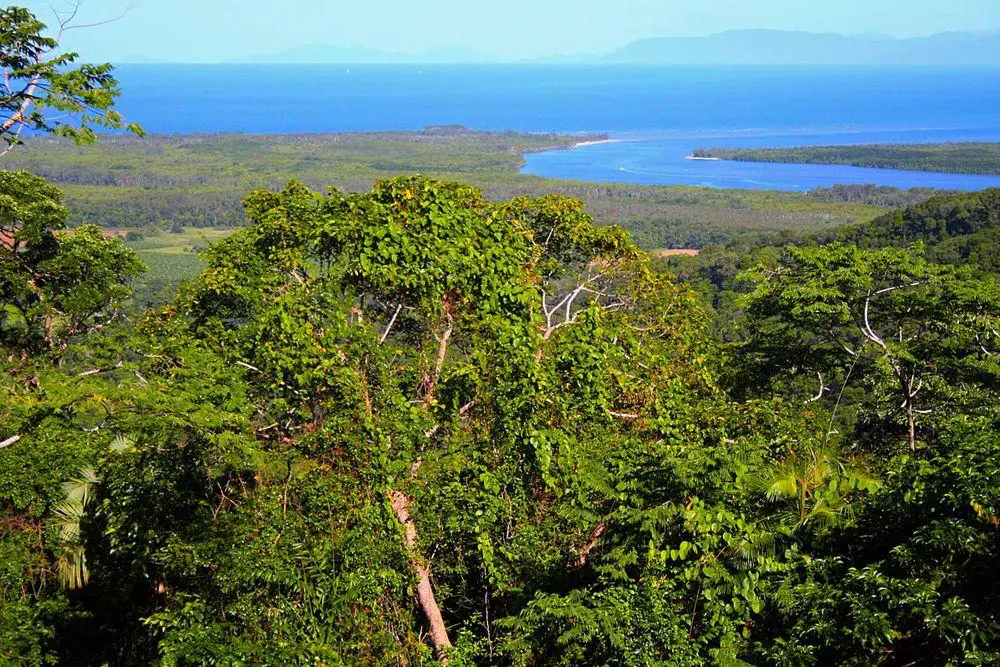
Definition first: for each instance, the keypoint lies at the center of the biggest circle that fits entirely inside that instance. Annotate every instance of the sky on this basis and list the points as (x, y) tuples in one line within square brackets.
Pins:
[(221, 30)]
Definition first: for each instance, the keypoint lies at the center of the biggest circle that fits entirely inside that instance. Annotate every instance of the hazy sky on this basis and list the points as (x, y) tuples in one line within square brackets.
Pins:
[(214, 30)]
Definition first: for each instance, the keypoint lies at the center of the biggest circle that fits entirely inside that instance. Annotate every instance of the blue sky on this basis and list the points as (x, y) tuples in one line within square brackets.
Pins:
[(219, 30)]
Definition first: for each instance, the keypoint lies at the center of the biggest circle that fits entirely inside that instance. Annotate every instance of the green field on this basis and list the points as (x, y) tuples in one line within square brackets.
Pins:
[(170, 258)]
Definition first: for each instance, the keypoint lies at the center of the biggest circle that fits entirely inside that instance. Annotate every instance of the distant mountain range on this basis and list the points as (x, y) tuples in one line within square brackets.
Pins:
[(773, 47), (737, 47)]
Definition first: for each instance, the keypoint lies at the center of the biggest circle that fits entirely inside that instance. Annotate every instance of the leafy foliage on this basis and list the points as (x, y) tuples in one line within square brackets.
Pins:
[(54, 284), (42, 90), (917, 335), (415, 424), (967, 157)]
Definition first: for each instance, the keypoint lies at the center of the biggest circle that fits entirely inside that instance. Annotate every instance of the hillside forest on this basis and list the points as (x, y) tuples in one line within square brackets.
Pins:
[(422, 421)]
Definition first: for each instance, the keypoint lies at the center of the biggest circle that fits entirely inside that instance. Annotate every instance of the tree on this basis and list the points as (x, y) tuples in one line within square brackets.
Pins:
[(484, 424), (917, 335), (44, 91), (54, 283)]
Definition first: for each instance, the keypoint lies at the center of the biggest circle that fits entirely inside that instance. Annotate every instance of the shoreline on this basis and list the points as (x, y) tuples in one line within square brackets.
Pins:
[(596, 142)]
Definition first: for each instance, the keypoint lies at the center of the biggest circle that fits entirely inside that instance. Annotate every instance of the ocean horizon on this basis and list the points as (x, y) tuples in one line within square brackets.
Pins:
[(659, 113)]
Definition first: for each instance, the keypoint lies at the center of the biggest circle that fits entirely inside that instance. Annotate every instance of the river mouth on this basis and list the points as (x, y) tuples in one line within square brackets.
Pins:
[(666, 160)]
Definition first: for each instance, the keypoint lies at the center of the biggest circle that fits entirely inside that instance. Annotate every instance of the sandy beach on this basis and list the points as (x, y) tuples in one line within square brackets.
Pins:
[(594, 143)]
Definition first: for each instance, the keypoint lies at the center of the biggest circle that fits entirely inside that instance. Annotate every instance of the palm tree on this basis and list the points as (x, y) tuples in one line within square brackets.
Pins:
[(815, 485), (71, 562)]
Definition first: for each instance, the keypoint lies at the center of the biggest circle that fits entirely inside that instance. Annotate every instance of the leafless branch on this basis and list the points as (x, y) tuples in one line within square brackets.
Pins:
[(96, 371), (9, 441), (388, 327), (867, 329), (66, 22), (822, 390), (595, 535)]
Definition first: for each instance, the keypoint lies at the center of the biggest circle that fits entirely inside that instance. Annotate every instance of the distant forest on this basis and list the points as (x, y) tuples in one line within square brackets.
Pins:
[(171, 182), (957, 158)]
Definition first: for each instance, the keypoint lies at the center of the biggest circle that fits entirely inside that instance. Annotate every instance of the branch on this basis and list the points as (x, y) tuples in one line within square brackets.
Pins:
[(9, 441), (867, 329), (95, 371), (581, 558), (431, 432), (29, 99), (425, 592), (388, 327), (886, 290), (822, 390), (64, 26), (439, 361)]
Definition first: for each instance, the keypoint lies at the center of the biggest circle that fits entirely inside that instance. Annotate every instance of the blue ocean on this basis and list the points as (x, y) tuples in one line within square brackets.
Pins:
[(658, 115)]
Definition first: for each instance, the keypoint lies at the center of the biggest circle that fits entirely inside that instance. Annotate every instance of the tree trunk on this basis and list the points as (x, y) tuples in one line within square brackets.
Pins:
[(425, 592), (911, 423), (439, 360)]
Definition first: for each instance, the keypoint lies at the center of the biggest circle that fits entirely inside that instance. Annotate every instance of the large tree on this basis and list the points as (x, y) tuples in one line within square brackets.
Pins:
[(920, 338), (486, 424)]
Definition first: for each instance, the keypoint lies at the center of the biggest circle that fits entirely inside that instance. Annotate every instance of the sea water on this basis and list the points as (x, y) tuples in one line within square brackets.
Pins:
[(660, 114)]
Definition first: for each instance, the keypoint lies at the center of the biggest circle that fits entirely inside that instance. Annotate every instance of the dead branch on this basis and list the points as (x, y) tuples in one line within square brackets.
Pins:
[(96, 371), (822, 390), (439, 360), (431, 432)]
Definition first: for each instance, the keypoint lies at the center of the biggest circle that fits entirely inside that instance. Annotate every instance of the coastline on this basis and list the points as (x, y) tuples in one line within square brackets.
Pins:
[(595, 142)]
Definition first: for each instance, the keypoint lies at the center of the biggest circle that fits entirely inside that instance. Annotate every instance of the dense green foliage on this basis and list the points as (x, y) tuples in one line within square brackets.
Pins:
[(878, 195), (412, 424), (955, 229), (54, 284), (963, 158), (165, 182)]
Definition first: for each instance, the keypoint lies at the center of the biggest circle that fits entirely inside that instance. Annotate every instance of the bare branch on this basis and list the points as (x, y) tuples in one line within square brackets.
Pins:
[(65, 27), (425, 591), (893, 288), (439, 360), (822, 390), (96, 371), (595, 535), (388, 327), (9, 441), (867, 329)]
